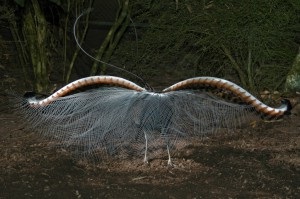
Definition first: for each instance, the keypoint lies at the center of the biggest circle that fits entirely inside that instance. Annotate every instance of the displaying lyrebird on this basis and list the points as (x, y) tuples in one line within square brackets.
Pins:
[(123, 119)]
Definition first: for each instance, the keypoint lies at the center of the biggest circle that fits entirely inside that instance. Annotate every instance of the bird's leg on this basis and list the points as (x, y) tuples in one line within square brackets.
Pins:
[(164, 133), (169, 156), (146, 148)]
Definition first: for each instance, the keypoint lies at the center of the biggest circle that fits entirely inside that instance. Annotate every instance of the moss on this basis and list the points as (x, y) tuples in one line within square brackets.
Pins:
[(293, 78)]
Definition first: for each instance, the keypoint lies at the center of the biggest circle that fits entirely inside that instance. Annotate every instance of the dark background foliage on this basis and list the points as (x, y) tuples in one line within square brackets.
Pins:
[(253, 43)]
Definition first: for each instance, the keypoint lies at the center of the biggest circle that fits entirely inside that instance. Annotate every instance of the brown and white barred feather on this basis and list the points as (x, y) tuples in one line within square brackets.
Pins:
[(93, 80), (235, 89)]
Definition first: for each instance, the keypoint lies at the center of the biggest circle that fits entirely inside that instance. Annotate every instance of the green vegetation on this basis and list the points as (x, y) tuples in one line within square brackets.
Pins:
[(45, 41), (250, 42), (253, 43), (113, 37), (39, 42)]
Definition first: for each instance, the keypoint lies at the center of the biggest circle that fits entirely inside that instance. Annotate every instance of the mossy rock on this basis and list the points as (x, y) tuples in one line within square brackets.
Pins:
[(293, 78)]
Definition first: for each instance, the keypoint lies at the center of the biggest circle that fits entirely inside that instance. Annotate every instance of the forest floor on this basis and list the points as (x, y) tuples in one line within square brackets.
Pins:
[(261, 160)]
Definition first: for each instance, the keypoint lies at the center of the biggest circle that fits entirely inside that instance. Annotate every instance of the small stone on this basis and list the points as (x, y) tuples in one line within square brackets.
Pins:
[(46, 188), (266, 92)]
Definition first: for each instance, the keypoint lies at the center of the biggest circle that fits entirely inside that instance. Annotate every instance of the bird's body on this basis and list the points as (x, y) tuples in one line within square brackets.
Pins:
[(131, 121)]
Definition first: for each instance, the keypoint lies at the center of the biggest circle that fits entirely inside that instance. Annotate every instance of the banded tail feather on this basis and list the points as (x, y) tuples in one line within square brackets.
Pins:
[(93, 80), (235, 89)]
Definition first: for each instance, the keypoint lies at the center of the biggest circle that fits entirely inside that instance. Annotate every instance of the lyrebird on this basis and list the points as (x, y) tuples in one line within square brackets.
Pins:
[(121, 118)]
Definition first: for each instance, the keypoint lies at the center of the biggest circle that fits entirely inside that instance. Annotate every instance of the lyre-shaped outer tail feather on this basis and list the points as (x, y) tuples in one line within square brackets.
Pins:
[(235, 89), (93, 80)]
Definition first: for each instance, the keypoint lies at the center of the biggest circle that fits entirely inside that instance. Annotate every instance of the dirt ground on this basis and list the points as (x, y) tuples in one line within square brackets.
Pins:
[(260, 161)]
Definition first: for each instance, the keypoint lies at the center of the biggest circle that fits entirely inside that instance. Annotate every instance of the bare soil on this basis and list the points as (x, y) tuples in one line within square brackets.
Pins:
[(260, 161)]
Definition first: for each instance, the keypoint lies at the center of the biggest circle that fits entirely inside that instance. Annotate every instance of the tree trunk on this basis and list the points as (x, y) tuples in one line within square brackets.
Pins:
[(35, 34)]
